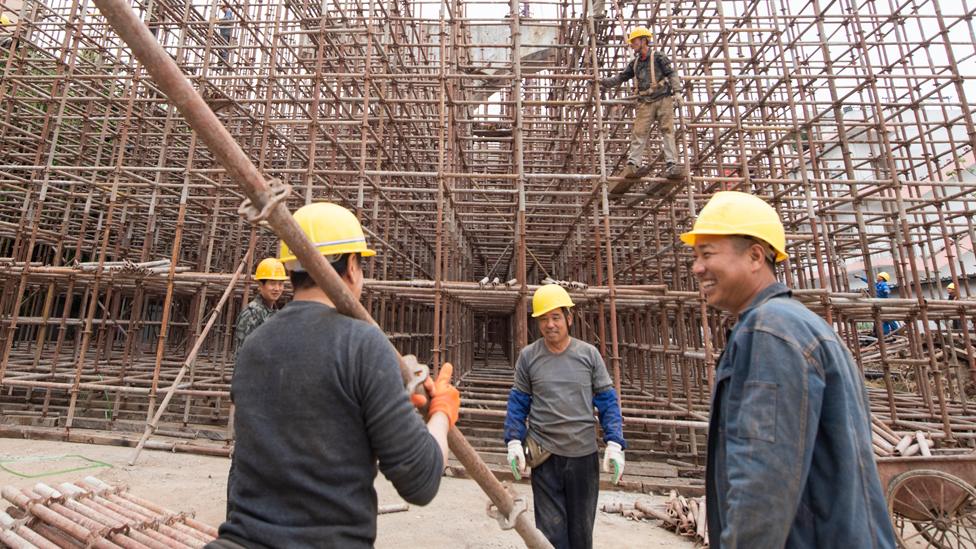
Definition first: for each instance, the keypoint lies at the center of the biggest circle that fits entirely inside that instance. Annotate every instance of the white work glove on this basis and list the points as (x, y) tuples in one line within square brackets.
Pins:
[(615, 454), (516, 458)]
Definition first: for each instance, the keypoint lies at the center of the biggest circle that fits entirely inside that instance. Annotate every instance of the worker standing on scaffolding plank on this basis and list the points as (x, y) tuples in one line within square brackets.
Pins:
[(226, 29), (658, 92), (954, 296), (558, 381), (882, 290), (790, 461), (319, 401), (271, 278), (7, 27)]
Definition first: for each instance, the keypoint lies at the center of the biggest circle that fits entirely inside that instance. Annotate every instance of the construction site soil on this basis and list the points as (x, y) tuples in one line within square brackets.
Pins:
[(198, 484)]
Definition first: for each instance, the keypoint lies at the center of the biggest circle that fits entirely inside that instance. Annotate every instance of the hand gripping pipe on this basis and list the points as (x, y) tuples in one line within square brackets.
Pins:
[(198, 115)]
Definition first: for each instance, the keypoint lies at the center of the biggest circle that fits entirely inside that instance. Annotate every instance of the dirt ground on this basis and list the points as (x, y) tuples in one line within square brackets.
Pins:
[(182, 482)]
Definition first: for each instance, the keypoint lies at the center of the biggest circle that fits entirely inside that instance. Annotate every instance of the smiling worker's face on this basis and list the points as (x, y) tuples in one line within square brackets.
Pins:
[(554, 326), (730, 273)]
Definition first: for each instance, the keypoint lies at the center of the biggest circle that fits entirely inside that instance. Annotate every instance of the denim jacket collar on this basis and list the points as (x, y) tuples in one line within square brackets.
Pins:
[(775, 289), (723, 368)]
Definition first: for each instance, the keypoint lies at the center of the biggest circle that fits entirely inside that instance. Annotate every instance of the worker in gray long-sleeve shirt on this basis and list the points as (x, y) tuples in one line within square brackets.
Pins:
[(319, 401)]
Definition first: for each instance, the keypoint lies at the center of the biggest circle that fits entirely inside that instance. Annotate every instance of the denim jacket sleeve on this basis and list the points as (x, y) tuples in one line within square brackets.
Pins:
[(773, 409)]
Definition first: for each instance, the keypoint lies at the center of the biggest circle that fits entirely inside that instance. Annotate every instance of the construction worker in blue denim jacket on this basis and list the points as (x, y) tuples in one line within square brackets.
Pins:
[(558, 381), (790, 462)]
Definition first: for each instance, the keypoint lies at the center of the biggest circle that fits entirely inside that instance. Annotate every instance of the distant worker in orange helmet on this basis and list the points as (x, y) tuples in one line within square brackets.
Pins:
[(320, 407), (658, 91), (271, 277)]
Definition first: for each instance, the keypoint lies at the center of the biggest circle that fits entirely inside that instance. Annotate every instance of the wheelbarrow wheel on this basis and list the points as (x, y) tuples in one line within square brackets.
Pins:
[(932, 508)]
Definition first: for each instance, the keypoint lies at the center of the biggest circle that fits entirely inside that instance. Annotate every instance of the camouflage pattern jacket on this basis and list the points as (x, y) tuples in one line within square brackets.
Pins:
[(250, 318), (664, 82)]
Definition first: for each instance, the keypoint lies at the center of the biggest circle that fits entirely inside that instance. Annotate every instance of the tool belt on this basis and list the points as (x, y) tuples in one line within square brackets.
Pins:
[(651, 95), (535, 455)]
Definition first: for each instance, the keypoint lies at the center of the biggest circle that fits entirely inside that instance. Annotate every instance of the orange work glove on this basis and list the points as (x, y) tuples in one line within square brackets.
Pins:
[(446, 397)]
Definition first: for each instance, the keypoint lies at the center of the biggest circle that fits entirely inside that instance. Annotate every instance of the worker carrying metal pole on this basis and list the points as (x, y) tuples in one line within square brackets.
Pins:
[(657, 89), (790, 461), (265, 202), (558, 381), (319, 400)]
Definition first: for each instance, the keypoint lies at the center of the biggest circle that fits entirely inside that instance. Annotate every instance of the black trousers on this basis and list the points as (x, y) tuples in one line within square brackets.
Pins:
[(565, 491)]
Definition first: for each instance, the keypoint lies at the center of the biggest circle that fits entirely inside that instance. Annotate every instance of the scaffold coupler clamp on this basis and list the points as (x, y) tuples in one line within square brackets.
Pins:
[(277, 191), (418, 373), (519, 506)]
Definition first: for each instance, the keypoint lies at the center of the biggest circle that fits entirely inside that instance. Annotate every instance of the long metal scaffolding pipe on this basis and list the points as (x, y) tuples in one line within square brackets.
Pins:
[(151, 426), (198, 115)]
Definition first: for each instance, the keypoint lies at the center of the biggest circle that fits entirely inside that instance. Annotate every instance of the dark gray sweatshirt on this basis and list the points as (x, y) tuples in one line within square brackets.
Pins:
[(319, 401)]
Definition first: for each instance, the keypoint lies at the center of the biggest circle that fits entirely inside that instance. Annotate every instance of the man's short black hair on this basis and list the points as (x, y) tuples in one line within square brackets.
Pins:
[(742, 244), (567, 312), (301, 280)]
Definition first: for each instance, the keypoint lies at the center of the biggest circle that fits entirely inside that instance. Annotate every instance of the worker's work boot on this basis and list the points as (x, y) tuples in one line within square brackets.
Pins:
[(673, 171), (621, 186), (629, 171)]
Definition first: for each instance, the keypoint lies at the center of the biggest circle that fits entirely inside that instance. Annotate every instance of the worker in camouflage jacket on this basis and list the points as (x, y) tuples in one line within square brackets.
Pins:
[(658, 89), (271, 277)]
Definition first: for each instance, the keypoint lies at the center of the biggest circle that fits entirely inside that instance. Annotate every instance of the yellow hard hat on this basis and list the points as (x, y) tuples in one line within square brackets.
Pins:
[(885, 276), (733, 213), (270, 269), (639, 32), (549, 297), (951, 286), (333, 229)]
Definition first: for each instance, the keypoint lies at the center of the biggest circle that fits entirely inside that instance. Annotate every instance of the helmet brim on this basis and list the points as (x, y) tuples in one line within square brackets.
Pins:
[(691, 238)]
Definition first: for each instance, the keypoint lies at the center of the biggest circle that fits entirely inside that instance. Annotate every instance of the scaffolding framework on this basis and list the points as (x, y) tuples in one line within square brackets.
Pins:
[(474, 143)]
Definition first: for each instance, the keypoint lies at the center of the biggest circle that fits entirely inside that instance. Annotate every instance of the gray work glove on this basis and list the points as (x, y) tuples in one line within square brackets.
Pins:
[(606, 83), (676, 99)]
